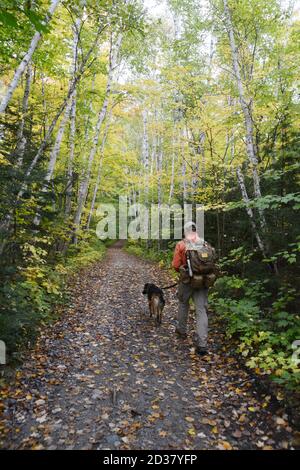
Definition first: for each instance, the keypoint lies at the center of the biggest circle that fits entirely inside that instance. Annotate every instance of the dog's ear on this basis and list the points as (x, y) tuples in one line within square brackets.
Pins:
[(145, 290)]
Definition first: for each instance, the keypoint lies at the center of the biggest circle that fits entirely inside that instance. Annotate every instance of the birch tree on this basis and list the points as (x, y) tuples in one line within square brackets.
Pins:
[(83, 190), (249, 211), (21, 140), (145, 154), (53, 157), (6, 221), (246, 108), (69, 111), (26, 59), (98, 177), (172, 167)]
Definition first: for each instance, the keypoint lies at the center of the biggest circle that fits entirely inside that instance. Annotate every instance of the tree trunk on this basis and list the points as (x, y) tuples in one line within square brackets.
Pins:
[(249, 211), (96, 188), (69, 190), (6, 221), (27, 58), (145, 156), (53, 157), (44, 105), (183, 175), (83, 189), (159, 172), (61, 109), (21, 140), (172, 170), (60, 133), (250, 144)]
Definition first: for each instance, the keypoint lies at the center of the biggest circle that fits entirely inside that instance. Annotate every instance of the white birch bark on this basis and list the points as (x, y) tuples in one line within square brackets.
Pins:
[(183, 175), (56, 148), (44, 104), (145, 155), (250, 144), (27, 58), (53, 157), (21, 140), (203, 169), (6, 221), (249, 211), (98, 179), (57, 116), (83, 189), (197, 151), (69, 190), (61, 130), (172, 169), (159, 172), (152, 161)]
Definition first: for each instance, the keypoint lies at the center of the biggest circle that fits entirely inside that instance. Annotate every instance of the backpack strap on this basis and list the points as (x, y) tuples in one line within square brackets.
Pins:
[(188, 259)]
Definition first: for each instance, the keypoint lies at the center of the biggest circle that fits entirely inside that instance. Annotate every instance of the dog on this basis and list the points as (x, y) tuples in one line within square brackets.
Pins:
[(156, 301)]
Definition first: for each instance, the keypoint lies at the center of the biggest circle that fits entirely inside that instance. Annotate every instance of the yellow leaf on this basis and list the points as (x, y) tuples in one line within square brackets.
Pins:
[(37, 447), (226, 445), (189, 419), (211, 422)]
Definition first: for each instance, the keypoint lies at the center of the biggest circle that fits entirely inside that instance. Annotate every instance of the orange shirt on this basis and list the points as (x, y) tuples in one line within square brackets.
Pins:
[(179, 258)]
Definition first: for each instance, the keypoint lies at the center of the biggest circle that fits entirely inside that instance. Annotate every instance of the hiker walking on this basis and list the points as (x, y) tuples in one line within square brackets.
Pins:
[(194, 260)]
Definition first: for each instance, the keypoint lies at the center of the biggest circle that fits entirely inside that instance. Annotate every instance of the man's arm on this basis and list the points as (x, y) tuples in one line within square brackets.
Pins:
[(177, 258)]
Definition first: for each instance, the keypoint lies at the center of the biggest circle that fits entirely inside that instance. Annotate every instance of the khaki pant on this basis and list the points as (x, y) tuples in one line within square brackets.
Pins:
[(200, 296)]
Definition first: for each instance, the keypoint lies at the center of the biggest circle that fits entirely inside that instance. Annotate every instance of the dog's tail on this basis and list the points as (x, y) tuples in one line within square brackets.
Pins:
[(169, 287)]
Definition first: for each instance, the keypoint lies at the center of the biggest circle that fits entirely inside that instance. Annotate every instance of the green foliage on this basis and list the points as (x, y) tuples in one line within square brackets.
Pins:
[(264, 336), (269, 202), (29, 298), (14, 12), (88, 251), (154, 253)]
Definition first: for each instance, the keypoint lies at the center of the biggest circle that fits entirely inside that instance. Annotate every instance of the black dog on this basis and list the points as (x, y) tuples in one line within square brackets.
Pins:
[(156, 301)]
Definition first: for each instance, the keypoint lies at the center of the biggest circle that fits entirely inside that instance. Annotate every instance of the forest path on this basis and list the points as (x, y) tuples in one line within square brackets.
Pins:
[(104, 377)]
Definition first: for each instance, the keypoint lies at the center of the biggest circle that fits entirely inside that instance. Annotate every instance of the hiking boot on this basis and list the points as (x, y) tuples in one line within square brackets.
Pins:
[(180, 334), (201, 351)]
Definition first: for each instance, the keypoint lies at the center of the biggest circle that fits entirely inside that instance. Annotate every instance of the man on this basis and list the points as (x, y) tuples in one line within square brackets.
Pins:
[(188, 289)]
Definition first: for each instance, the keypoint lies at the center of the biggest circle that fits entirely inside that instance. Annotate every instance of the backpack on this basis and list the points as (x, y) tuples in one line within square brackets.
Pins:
[(201, 257), (201, 262)]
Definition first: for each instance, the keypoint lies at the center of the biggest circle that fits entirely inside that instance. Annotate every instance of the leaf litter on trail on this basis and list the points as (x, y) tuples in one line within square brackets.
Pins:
[(103, 376)]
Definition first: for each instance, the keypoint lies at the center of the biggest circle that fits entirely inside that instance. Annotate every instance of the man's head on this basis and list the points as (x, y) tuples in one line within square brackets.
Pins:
[(190, 227), (190, 232)]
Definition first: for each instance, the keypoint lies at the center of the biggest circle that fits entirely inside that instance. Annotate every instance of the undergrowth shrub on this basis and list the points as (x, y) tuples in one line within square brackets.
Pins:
[(264, 336), (28, 294)]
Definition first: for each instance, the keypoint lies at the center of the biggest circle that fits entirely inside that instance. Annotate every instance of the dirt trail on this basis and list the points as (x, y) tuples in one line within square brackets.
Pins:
[(104, 377)]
